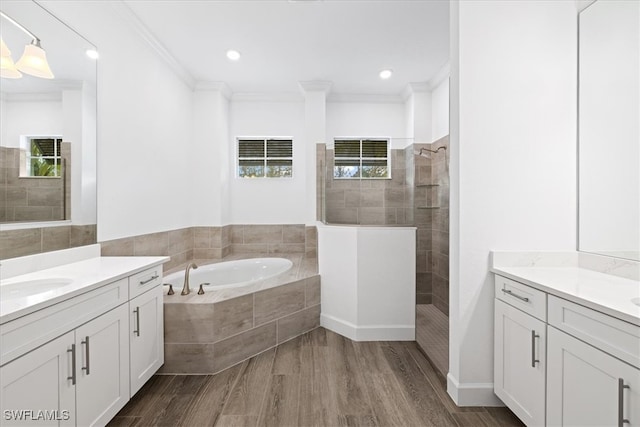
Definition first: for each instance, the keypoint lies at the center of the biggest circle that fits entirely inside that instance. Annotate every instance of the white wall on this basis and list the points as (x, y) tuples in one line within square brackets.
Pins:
[(144, 127), (513, 156), (440, 110), (31, 118), (269, 200), (375, 119)]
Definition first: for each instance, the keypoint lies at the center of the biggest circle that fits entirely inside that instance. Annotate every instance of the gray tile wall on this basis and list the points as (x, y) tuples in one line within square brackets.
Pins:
[(217, 242), (33, 198), (16, 243), (207, 338), (432, 222), (368, 201)]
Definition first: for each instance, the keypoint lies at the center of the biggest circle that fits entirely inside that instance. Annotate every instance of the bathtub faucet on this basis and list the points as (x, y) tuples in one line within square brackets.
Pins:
[(185, 288)]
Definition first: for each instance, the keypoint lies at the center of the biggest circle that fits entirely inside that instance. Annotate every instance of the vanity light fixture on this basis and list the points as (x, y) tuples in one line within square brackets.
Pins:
[(233, 55), (385, 74), (8, 69), (33, 60), (92, 53)]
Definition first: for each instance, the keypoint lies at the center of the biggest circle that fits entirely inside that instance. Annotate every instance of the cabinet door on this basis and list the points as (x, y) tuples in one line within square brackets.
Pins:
[(519, 363), (584, 387), (103, 367), (147, 336), (36, 389)]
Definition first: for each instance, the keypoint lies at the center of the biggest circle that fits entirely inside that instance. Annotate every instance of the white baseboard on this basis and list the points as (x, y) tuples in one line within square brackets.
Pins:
[(472, 394), (368, 333)]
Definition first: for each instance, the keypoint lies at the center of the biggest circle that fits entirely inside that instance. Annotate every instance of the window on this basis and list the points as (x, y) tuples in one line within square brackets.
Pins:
[(265, 158), (361, 158), (44, 157)]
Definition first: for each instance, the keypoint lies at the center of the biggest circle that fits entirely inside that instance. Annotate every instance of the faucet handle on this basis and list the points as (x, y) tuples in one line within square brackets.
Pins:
[(201, 290), (171, 292)]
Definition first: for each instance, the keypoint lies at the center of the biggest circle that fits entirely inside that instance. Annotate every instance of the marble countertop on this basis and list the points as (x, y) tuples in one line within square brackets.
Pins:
[(600, 291), (82, 276)]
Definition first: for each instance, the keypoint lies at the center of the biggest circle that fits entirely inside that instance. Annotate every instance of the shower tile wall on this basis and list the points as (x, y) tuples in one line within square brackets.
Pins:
[(432, 222), (369, 201), (33, 198)]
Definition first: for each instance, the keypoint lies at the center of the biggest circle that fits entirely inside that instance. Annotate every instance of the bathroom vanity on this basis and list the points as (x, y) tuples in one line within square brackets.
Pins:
[(78, 339), (567, 340)]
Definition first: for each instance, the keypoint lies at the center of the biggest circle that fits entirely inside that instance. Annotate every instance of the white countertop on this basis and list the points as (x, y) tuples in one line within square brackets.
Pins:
[(606, 293), (84, 276)]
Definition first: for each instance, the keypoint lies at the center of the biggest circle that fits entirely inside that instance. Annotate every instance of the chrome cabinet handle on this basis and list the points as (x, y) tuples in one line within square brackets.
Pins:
[(144, 282), (621, 387), (137, 330), (509, 292), (86, 343), (72, 350), (533, 349)]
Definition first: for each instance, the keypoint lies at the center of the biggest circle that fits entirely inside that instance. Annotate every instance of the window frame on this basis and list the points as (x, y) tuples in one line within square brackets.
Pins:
[(361, 139), (265, 139), (27, 143)]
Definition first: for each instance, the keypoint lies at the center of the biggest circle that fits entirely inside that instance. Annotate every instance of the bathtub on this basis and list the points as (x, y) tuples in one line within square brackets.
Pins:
[(231, 274), (251, 306)]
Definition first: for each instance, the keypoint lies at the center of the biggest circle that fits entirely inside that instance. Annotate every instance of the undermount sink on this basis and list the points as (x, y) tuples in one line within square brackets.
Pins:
[(636, 301), (31, 287)]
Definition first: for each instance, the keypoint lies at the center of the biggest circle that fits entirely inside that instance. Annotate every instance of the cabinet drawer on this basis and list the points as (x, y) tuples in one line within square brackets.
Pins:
[(145, 280), (28, 332), (526, 298), (614, 336)]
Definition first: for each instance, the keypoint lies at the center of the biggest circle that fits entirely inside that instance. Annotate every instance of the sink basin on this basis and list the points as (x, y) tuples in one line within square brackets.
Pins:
[(636, 301), (31, 287)]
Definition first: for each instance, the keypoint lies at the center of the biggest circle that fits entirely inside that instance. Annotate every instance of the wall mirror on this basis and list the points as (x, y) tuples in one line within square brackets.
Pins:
[(609, 129), (48, 125)]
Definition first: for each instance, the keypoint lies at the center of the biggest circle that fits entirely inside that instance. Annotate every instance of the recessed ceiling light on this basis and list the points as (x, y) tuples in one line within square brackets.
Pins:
[(233, 55), (92, 53), (385, 74)]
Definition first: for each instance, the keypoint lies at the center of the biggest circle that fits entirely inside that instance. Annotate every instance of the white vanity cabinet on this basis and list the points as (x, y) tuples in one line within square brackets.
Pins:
[(146, 336), (593, 375), (560, 363), (102, 367), (41, 379), (519, 351), (79, 361)]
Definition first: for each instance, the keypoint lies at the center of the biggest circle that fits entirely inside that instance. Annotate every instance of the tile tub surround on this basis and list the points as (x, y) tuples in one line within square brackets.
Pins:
[(215, 243), (432, 254), (32, 198), (30, 241), (211, 332)]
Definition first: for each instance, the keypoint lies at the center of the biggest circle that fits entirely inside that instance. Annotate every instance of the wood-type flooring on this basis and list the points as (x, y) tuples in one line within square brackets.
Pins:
[(317, 379)]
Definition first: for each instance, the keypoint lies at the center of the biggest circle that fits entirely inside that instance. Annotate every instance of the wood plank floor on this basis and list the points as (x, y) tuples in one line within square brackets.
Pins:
[(432, 335), (318, 379)]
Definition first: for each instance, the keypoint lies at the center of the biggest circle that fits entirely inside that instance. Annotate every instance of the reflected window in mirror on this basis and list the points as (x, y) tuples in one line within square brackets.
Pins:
[(43, 156)]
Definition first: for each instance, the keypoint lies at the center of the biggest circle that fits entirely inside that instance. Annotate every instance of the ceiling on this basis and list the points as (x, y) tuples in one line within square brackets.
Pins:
[(283, 42)]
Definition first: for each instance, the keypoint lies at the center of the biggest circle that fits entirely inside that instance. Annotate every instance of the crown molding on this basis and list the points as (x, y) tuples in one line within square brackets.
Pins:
[(364, 98), (443, 73), (151, 40), (315, 86), (31, 97), (267, 97), (415, 87), (209, 86)]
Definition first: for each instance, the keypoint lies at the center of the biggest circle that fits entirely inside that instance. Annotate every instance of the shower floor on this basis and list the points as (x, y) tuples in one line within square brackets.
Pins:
[(432, 335)]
